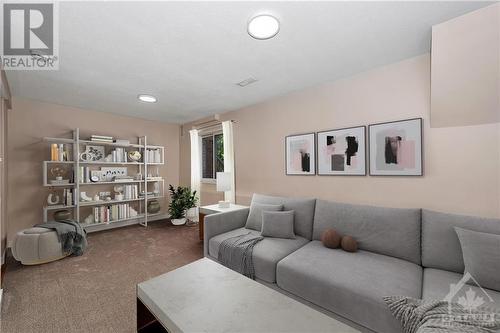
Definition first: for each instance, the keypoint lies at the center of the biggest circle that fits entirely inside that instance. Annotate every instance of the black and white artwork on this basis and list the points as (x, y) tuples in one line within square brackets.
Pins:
[(96, 152), (300, 154), (396, 148), (107, 173), (342, 151)]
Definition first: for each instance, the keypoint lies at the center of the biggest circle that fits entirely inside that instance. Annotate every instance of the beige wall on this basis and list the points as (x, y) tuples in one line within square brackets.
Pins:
[(461, 163), (31, 121), (466, 69)]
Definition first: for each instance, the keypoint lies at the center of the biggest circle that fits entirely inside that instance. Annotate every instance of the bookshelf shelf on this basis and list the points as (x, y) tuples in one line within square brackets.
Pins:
[(73, 148)]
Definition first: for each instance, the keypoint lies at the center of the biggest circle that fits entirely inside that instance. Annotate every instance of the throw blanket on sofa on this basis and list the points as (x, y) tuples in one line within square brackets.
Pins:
[(432, 316), (70, 234), (236, 253)]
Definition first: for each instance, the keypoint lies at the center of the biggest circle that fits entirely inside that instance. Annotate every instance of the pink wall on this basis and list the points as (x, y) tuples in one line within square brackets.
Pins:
[(461, 164), (30, 121)]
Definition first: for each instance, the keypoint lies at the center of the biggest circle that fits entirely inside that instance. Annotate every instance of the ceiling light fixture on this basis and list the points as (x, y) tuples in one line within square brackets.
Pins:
[(147, 98), (263, 26)]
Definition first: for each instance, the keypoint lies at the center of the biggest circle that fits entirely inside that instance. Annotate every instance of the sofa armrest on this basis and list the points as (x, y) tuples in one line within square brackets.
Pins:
[(219, 223)]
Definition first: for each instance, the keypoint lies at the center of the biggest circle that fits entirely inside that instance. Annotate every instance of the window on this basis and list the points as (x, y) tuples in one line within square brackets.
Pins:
[(212, 156)]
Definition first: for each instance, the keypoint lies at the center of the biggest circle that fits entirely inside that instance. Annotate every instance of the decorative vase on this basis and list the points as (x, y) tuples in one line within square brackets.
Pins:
[(134, 156), (62, 214), (153, 207), (179, 221)]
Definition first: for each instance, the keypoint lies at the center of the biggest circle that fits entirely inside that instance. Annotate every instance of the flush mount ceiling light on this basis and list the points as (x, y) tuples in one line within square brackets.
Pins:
[(147, 98), (263, 26)]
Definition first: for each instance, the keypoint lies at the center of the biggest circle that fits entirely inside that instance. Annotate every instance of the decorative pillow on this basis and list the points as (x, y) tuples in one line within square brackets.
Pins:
[(349, 244), (481, 252), (330, 238), (254, 220), (278, 224), (431, 316)]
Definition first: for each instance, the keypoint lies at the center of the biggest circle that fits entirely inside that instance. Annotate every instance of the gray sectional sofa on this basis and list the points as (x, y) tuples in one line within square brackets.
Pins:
[(407, 252)]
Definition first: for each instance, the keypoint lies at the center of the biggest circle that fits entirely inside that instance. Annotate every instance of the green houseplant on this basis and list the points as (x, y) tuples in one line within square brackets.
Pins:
[(181, 199)]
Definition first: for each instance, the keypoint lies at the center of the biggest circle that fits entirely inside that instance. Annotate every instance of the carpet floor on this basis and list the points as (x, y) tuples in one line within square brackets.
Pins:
[(95, 292)]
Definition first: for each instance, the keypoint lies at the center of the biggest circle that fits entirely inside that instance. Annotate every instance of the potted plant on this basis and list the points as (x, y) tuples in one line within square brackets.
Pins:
[(182, 199)]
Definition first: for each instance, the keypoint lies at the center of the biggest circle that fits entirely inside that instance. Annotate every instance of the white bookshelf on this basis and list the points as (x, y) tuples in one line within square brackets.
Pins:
[(77, 145)]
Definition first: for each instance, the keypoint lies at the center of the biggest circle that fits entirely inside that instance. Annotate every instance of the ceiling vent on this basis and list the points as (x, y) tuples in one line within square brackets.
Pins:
[(246, 82)]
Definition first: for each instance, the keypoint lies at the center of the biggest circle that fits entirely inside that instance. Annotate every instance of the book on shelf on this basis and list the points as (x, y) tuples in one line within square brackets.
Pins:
[(114, 212), (106, 137), (153, 156), (102, 140), (68, 197)]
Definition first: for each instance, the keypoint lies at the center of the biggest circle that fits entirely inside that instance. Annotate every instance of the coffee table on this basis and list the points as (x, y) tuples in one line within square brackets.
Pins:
[(205, 296)]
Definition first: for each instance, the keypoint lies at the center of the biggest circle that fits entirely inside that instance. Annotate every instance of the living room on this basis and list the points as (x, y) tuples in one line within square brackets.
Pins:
[(341, 158)]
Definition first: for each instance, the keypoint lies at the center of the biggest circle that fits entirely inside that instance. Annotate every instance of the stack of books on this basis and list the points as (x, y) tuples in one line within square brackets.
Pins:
[(106, 214), (123, 179), (101, 138)]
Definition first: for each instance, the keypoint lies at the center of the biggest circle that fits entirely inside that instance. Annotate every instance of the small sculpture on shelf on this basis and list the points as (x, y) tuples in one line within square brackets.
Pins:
[(53, 199), (85, 197), (134, 156)]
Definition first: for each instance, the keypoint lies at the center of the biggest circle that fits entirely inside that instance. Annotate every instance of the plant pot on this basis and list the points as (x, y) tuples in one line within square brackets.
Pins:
[(179, 221)]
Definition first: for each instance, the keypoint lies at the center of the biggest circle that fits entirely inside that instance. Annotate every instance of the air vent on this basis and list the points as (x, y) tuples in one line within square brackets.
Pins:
[(246, 82)]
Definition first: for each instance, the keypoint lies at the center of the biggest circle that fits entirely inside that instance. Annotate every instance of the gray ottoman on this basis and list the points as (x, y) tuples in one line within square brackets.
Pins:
[(37, 246)]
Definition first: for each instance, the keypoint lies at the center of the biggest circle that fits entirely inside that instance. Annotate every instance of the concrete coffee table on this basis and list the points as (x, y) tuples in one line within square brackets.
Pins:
[(207, 297)]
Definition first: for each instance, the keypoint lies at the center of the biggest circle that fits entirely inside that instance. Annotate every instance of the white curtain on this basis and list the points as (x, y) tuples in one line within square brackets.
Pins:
[(227, 133), (195, 162)]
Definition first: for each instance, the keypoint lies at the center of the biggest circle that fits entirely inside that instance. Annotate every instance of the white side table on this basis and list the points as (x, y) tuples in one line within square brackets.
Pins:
[(212, 209)]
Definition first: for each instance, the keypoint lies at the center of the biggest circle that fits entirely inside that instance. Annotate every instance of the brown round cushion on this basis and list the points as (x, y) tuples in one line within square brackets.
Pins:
[(349, 244), (330, 238)]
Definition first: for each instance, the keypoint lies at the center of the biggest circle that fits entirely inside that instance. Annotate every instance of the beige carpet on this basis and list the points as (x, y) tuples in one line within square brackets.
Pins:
[(95, 292)]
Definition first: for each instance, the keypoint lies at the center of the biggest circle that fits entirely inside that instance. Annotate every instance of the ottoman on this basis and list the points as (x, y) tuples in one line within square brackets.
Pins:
[(37, 246)]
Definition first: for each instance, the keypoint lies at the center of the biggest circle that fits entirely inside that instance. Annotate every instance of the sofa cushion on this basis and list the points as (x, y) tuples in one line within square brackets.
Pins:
[(254, 220), (481, 252), (278, 224), (440, 245), (266, 254), (350, 284), (437, 284), (304, 211), (391, 231)]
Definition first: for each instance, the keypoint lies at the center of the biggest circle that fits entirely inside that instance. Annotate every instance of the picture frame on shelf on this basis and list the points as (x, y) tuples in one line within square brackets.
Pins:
[(300, 154), (396, 148), (95, 153), (342, 152), (110, 172)]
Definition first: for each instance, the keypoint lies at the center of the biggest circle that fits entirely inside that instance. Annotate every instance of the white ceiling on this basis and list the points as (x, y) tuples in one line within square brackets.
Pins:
[(191, 54)]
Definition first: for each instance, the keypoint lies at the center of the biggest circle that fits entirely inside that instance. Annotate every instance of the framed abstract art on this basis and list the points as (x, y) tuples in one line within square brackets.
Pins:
[(396, 148), (300, 154), (342, 152)]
